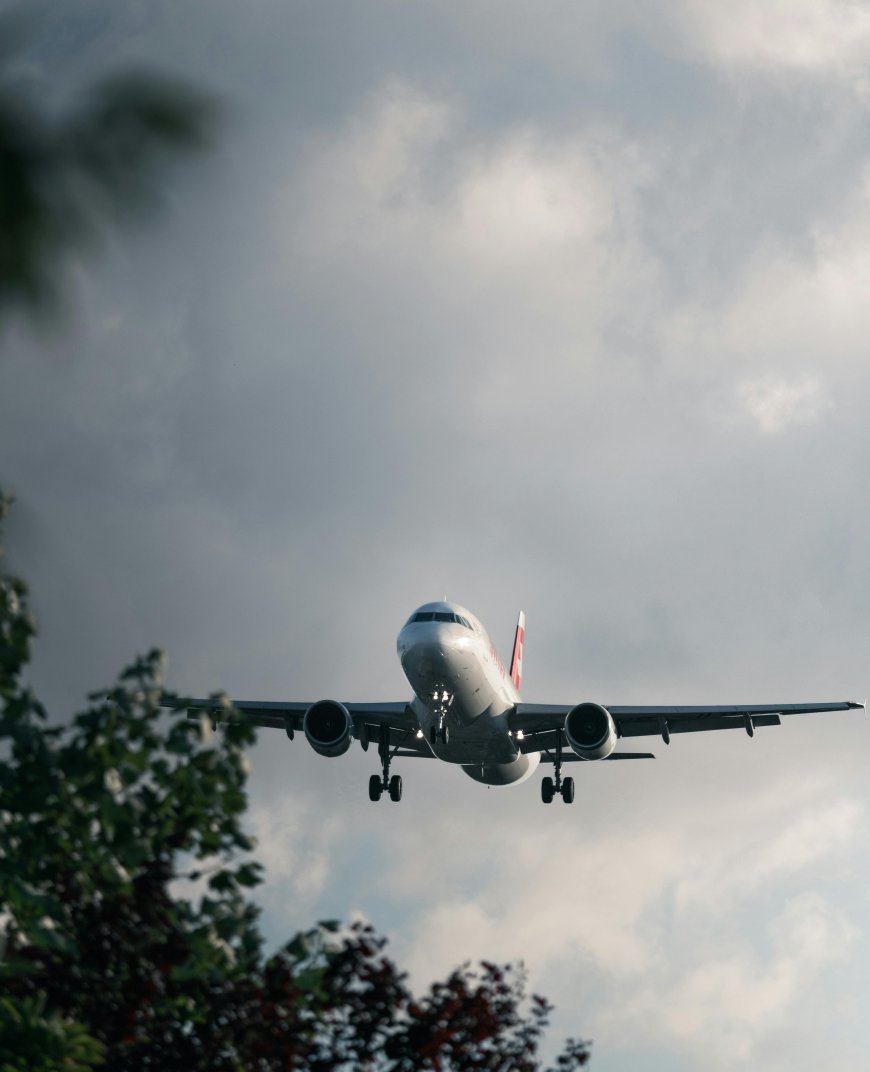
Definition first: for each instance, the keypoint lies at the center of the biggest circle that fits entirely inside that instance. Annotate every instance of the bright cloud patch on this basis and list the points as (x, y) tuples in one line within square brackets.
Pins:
[(290, 850), (778, 404), (518, 251), (667, 941), (403, 179), (735, 996), (820, 36)]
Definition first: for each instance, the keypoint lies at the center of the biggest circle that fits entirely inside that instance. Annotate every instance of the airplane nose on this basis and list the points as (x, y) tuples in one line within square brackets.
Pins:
[(424, 658), (422, 654)]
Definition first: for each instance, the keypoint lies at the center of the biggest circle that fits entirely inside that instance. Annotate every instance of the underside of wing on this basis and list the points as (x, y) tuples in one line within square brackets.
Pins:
[(643, 721), (391, 724), (541, 727)]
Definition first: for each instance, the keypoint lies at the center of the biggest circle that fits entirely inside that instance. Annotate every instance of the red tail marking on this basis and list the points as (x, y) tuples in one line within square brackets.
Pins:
[(517, 657)]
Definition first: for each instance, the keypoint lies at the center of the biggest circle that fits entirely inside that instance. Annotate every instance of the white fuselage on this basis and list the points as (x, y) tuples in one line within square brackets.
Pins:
[(460, 682)]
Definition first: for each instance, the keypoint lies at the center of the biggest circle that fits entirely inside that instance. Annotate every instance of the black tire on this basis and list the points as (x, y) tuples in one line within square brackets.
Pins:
[(433, 734), (445, 736), (547, 790), (568, 790), (375, 787), (396, 788)]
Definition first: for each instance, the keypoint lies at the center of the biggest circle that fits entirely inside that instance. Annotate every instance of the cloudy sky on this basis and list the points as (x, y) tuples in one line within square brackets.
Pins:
[(561, 306)]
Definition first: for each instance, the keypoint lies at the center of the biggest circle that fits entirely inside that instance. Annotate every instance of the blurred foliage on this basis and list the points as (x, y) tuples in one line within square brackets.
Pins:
[(128, 932), (31, 1041), (62, 176)]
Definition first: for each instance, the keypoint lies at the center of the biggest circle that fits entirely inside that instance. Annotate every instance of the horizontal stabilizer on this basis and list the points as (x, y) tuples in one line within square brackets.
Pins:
[(570, 757)]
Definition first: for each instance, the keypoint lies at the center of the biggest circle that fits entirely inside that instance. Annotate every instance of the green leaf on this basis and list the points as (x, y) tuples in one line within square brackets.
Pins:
[(249, 874)]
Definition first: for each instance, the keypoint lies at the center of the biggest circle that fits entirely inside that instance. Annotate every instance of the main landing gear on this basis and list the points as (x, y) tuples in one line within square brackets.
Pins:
[(393, 786), (383, 783), (563, 787)]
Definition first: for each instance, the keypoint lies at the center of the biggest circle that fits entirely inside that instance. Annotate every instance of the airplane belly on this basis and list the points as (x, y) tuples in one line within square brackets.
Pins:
[(504, 773), (484, 739)]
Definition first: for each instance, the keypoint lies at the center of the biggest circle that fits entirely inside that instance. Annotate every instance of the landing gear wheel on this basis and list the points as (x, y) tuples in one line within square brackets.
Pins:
[(568, 790), (433, 734), (375, 787), (445, 736), (547, 790), (396, 788)]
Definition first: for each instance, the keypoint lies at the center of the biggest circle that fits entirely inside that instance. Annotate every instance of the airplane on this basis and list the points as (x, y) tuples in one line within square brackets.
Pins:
[(466, 710)]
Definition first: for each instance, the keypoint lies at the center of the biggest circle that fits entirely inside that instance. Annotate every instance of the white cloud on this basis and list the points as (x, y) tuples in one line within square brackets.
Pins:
[(526, 201), (785, 346), (515, 251), (777, 404), (361, 190), (830, 37), (735, 994), (789, 841), (296, 850), (687, 933), (405, 178)]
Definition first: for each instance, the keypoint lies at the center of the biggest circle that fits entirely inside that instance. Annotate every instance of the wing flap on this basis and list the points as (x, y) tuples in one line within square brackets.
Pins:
[(645, 727), (682, 711)]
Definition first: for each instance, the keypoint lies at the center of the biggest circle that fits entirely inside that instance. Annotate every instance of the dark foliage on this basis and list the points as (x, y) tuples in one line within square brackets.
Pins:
[(62, 177)]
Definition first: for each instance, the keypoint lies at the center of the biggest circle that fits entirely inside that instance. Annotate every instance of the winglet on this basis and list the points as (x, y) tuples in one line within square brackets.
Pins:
[(517, 657)]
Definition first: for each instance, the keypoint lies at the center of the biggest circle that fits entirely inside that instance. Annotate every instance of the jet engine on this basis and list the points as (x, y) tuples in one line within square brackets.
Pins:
[(590, 730), (328, 728)]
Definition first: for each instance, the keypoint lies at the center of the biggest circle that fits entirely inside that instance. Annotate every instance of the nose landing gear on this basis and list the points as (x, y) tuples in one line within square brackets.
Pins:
[(564, 787), (441, 731)]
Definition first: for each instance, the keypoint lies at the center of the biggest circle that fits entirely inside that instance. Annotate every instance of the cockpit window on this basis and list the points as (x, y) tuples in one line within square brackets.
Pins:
[(440, 616)]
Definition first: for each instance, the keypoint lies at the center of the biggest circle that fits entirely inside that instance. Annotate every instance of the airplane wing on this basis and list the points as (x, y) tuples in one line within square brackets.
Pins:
[(543, 724), (395, 723)]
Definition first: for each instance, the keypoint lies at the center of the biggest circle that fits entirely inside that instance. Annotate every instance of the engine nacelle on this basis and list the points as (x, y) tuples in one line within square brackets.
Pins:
[(328, 728), (590, 730)]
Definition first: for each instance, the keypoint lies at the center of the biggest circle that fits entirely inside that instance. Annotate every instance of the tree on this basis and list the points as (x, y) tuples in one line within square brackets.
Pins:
[(130, 935)]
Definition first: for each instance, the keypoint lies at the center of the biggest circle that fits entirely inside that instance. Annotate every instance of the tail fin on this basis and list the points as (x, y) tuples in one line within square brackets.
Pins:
[(517, 657)]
